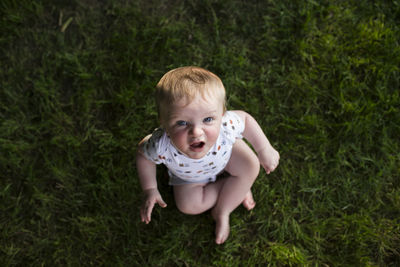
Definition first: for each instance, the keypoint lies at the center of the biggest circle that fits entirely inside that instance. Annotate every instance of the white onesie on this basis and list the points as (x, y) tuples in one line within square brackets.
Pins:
[(182, 169)]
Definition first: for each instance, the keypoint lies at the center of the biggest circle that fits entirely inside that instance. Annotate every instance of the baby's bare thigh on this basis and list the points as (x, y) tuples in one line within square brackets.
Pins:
[(243, 160), (188, 192), (195, 199)]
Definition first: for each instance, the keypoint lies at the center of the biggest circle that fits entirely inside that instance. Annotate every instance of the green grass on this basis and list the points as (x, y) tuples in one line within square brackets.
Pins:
[(76, 96)]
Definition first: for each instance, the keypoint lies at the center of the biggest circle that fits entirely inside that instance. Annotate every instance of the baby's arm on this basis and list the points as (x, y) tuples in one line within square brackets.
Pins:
[(147, 176), (268, 156)]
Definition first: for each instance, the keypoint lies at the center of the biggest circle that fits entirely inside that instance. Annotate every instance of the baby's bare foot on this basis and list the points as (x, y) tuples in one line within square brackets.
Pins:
[(222, 228), (248, 201)]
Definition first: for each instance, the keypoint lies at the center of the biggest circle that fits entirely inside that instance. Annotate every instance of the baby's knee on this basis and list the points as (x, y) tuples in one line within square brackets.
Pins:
[(250, 167), (244, 162), (253, 167)]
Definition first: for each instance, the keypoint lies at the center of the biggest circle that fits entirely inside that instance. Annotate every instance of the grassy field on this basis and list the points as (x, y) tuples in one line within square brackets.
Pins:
[(76, 96)]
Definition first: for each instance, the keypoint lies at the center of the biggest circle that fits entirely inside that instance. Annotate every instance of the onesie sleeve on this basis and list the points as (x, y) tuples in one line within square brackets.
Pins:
[(152, 148), (232, 126)]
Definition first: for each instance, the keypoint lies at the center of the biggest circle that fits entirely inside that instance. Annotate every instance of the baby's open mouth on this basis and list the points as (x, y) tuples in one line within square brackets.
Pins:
[(197, 145)]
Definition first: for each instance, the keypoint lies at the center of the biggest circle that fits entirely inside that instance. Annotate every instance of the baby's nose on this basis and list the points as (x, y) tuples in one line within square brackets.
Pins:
[(196, 131)]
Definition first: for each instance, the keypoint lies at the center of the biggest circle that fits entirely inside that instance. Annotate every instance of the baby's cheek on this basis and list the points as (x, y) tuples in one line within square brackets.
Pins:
[(178, 138), (213, 134)]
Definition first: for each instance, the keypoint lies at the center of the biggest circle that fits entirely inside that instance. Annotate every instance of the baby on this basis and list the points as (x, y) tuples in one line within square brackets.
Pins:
[(198, 140)]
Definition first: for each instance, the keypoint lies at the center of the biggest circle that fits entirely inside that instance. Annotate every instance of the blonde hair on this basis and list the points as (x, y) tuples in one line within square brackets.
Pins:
[(187, 83)]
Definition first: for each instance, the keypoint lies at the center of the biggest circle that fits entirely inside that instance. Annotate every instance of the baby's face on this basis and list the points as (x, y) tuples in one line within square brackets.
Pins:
[(194, 127)]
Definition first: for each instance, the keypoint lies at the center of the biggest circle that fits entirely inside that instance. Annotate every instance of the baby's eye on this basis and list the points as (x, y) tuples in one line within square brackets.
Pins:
[(181, 123), (208, 119)]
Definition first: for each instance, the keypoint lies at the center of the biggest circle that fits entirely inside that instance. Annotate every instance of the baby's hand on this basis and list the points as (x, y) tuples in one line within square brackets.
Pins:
[(269, 158), (151, 197)]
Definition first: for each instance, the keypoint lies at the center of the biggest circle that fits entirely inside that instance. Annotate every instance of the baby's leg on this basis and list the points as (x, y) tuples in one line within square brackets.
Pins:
[(197, 198), (243, 167)]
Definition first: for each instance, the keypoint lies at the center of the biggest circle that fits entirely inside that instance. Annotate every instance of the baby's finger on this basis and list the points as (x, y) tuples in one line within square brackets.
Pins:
[(143, 214), (161, 202), (267, 170), (149, 209)]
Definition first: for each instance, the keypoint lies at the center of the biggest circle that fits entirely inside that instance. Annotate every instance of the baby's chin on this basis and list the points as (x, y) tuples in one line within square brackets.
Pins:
[(197, 154)]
